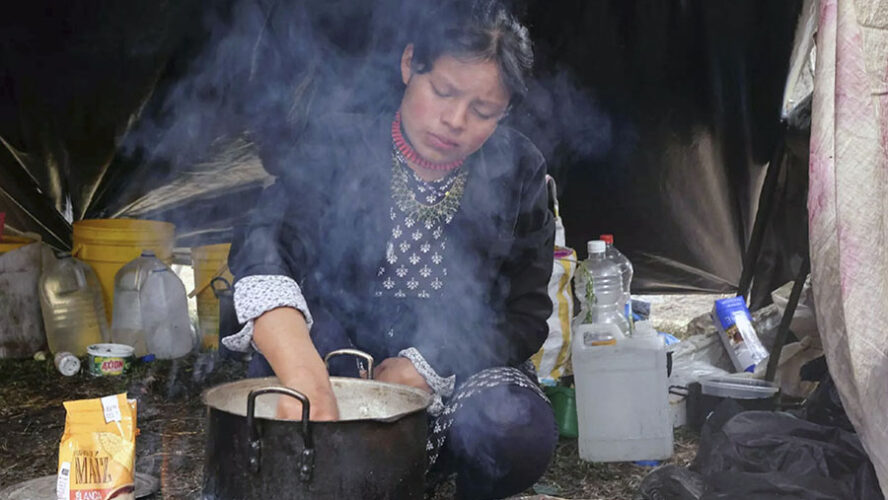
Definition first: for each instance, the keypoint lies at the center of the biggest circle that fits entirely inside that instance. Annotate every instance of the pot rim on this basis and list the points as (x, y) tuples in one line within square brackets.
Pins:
[(265, 382)]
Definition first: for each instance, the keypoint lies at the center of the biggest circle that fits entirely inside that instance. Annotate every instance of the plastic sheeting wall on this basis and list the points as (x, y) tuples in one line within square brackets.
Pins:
[(666, 149), (848, 209), (657, 117)]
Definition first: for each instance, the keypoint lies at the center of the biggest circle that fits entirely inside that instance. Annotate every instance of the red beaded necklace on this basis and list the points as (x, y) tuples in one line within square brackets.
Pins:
[(411, 155)]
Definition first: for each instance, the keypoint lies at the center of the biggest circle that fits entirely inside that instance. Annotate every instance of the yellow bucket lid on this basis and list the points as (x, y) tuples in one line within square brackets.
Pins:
[(123, 231)]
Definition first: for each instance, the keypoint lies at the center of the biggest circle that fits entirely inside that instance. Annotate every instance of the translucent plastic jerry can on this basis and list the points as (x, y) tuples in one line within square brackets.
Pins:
[(151, 309), (71, 302), (621, 394)]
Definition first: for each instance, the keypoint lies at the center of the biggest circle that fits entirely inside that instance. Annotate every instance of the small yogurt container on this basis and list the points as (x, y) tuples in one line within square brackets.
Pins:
[(109, 359)]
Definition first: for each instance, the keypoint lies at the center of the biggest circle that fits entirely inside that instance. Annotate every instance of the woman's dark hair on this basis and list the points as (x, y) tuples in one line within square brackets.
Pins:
[(476, 30)]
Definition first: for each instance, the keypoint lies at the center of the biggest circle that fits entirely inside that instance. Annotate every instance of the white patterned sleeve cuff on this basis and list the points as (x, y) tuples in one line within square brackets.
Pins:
[(256, 295), (441, 386)]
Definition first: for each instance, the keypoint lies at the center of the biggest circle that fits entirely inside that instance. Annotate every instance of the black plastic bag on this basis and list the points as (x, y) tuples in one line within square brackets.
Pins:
[(772, 486), (799, 454), (672, 482), (678, 483), (823, 406), (769, 455)]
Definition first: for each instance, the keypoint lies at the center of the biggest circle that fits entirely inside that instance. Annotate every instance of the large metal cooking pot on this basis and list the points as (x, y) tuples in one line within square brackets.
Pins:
[(376, 450)]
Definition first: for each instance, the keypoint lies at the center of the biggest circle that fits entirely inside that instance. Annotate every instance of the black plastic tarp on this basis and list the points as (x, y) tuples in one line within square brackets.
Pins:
[(657, 118), (809, 454)]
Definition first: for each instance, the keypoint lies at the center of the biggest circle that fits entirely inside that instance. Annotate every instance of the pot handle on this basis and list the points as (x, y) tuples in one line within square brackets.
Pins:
[(218, 290), (354, 352), (306, 467)]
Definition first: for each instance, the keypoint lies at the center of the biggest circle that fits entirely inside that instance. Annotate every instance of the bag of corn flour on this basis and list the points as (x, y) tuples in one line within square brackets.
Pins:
[(97, 453)]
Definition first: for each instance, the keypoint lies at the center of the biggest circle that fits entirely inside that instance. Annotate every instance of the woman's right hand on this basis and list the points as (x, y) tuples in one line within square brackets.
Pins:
[(282, 336), (317, 388)]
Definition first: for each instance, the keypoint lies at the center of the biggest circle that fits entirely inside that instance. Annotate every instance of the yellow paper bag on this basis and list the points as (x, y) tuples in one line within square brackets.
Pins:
[(98, 450)]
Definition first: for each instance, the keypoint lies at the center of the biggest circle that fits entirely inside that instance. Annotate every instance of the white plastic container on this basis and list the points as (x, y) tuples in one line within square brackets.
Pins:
[(151, 309), (622, 398), (22, 333), (71, 303)]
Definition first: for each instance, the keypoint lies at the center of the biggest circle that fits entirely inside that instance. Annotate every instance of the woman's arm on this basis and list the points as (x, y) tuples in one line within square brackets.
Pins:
[(520, 327), (282, 336), (270, 256)]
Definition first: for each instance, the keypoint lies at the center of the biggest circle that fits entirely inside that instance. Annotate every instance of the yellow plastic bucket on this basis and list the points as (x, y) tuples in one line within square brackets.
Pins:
[(108, 244), (10, 243), (210, 261)]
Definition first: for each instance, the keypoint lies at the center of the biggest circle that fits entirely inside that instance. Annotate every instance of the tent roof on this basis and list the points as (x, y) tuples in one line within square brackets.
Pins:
[(656, 119)]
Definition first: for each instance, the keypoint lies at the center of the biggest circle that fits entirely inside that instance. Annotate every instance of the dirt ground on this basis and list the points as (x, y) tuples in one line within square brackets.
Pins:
[(172, 418), (569, 477)]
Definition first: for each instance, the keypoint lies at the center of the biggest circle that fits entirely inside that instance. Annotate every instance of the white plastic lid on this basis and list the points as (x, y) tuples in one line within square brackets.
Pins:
[(115, 350), (596, 246)]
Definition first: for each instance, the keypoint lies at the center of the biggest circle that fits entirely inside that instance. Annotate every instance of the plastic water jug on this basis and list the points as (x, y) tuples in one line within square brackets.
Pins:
[(600, 286), (151, 309), (622, 397), (625, 265), (71, 300)]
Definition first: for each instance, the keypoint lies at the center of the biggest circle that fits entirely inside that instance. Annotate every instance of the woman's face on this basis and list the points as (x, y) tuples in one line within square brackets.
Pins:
[(449, 111)]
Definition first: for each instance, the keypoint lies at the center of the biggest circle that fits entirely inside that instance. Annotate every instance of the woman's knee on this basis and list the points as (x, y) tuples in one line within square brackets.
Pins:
[(504, 437)]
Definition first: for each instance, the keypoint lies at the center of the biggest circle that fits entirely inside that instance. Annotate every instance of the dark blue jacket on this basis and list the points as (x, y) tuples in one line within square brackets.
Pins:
[(325, 222)]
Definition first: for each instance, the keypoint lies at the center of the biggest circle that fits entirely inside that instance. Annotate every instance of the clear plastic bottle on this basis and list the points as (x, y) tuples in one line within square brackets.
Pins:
[(151, 309), (626, 269), (71, 300), (599, 284)]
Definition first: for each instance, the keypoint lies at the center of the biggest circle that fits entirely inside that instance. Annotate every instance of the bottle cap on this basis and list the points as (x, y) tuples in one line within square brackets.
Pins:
[(644, 328), (147, 253), (596, 246), (647, 463), (607, 238)]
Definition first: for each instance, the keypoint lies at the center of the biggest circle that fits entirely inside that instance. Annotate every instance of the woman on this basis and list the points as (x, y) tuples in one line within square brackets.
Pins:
[(422, 237)]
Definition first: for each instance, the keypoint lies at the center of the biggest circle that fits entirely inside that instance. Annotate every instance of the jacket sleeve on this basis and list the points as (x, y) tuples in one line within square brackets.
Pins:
[(274, 248), (269, 255), (522, 325), (281, 234), (516, 327), (278, 236)]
